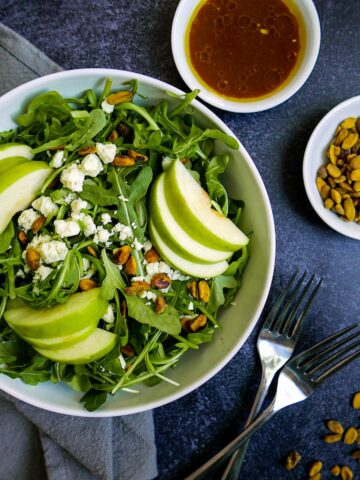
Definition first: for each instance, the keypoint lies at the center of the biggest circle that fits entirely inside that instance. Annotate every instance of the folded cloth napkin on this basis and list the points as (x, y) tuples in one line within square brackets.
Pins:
[(36, 444)]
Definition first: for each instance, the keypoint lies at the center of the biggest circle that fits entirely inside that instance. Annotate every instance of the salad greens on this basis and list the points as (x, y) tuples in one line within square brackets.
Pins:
[(148, 343)]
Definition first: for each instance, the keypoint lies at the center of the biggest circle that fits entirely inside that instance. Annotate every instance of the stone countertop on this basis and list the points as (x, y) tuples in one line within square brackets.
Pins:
[(136, 36)]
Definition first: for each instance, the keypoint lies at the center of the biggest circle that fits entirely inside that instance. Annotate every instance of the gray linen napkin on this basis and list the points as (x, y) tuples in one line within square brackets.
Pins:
[(36, 444)]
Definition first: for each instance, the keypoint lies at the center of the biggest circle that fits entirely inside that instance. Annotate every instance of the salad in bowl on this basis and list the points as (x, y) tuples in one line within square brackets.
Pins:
[(119, 243), (136, 243)]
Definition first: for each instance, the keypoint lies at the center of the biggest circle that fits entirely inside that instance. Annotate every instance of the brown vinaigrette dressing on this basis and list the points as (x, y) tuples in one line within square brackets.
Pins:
[(245, 49)]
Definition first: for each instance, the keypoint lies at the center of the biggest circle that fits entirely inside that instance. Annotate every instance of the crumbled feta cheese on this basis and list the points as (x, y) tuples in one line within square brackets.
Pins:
[(27, 269), (20, 273), (149, 295), (69, 197), (122, 362), (138, 245), (106, 151), (86, 264), (72, 178), (86, 223), (90, 273), (102, 235), (105, 218), (66, 228), (42, 273), (27, 218), (124, 199), (134, 225), (233, 304), (147, 245), (39, 240), (77, 205), (89, 226), (107, 107), (58, 159), (139, 279), (45, 206), (120, 267), (153, 268), (88, 268), (191, 306), (109, 316), (123, 230), (53, 251), (165, 268), (179, 276), (91, 165)]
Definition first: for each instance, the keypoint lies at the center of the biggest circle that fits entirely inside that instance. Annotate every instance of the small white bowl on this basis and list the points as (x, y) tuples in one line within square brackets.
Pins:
[(310, 20), (315, 156)]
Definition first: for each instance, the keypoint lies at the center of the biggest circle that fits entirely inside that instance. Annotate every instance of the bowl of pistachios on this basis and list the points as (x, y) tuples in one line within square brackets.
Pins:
[(331, 168)]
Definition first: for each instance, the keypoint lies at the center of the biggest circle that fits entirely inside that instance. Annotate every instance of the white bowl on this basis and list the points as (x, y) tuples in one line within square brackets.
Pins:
[(311, 23), (315, 156), (243, 181)]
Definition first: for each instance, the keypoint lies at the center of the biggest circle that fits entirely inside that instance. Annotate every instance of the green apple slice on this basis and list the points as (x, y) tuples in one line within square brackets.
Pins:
[(11, 162), (19, 187), (200, 270), (173, 235), (191, 207), (81, 310), (15, 150), (57, 342), (95, 346)]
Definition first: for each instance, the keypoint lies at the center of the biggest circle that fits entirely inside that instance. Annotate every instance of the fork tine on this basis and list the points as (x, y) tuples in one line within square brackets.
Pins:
[(280, 318), (338, 366), (306, 356), (279, 301), (292, 326), (314, 367)]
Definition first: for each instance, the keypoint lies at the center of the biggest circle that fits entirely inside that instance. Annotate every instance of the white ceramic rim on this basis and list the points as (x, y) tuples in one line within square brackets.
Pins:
[(331, 219), (42, 81), (182, 64)]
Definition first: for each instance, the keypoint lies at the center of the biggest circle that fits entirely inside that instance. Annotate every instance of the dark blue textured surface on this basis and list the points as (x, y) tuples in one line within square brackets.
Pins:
[(136, 36)]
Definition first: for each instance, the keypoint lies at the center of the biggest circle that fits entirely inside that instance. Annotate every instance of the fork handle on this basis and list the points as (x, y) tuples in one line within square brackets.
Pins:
[(221, 456), (232, 470), (234, 466)]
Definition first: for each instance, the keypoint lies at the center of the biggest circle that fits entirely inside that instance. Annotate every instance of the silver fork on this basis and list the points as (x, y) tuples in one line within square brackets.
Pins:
[(276, 344), (297, 381)]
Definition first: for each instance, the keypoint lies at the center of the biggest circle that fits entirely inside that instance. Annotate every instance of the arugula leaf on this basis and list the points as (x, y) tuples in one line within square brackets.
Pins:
[(216, 189), (217, 297), (93, 399), (27, 376), (45, 106), (36, 371), (140, 185), (168, 321), (80, 383), (97, 195), (6, 237), (237, 266), (89, 128), (113, 279), (8, 351)]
